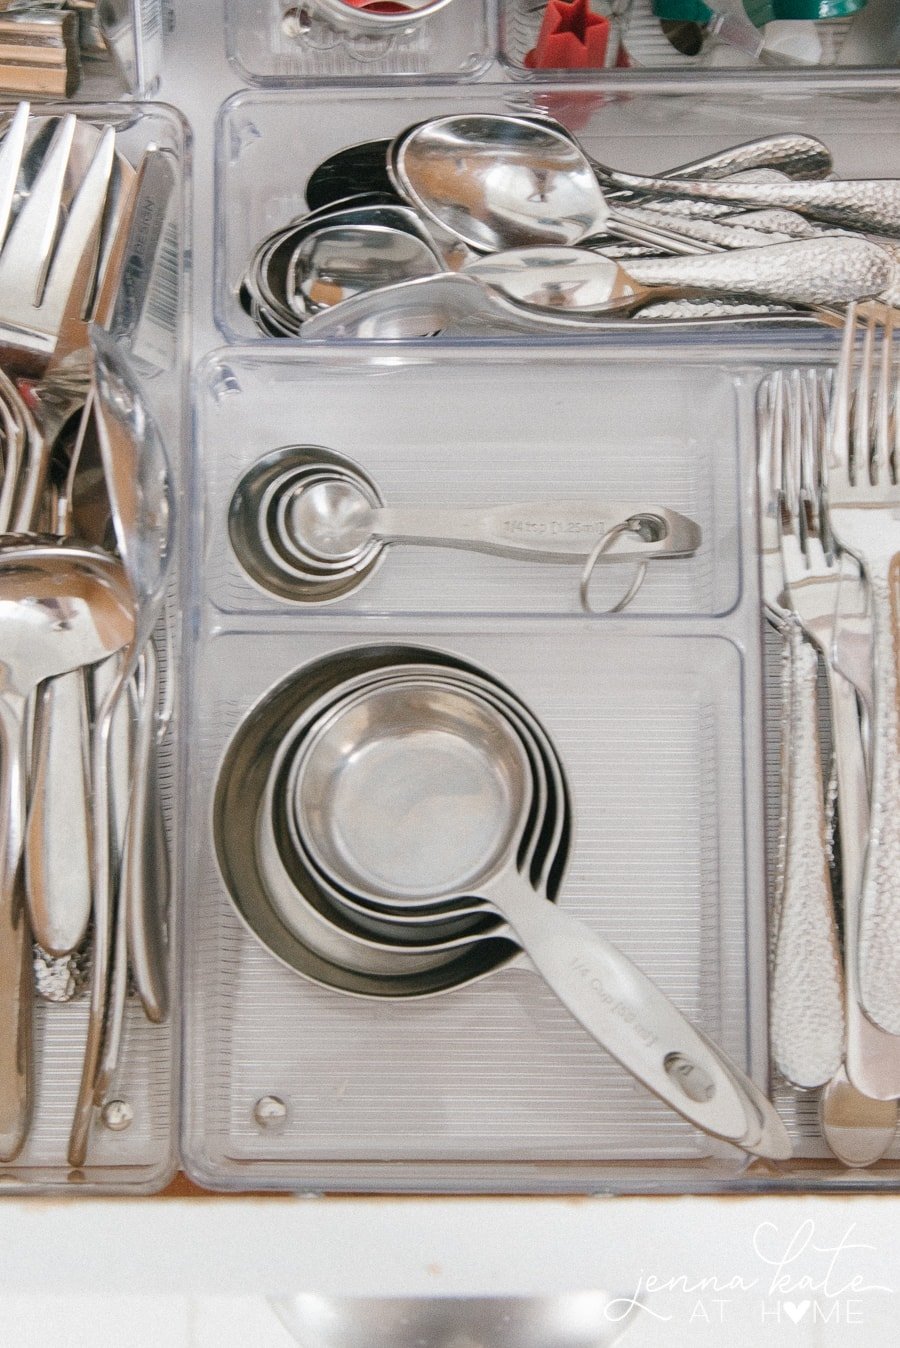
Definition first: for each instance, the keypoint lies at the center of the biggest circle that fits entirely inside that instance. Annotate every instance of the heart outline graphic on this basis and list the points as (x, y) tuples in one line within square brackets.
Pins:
[(794, 1311)]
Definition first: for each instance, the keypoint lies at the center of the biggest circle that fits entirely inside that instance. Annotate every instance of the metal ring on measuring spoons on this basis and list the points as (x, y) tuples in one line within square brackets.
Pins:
[(635, 524)]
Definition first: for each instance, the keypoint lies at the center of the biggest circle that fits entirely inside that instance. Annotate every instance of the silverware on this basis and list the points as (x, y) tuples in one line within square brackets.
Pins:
[(817, 584), (62, 607), (138, 479), (862, 499), (40, 254), (363, 167), (474, 175), (871, 205), (806, 995), (578, 283), (59, 834)]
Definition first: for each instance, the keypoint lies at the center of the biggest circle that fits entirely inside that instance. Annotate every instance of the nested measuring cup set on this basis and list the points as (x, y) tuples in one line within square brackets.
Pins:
[(393, 819)]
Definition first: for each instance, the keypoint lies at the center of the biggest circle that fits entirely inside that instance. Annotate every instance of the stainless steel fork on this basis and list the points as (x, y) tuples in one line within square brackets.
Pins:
[(806, 996), (820, 584), (862, 492)]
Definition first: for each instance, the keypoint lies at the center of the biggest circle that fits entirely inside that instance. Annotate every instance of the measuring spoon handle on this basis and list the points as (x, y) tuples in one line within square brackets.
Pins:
[(563, 530), (629, 1016)]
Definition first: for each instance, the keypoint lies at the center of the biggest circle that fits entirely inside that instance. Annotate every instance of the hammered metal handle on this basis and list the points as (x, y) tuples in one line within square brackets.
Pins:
[(796, 155), (831, 270), (807, 992), (879, 943), (871, 204)]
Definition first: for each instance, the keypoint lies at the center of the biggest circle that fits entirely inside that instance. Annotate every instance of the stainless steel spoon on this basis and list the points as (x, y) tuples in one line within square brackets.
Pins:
[(363, 167), (138, 480), (506, 182), (803, 272)]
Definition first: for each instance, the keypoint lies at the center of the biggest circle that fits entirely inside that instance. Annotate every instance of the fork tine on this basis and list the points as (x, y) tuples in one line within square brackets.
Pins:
[(837, 458), (791, 433), (895, 413), (28, 248), (862, 442), (11, 152), (881, 449)]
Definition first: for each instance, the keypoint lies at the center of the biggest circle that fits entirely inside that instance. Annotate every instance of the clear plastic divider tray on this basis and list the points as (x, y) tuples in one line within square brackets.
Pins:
[(647, 126), (656, 715)]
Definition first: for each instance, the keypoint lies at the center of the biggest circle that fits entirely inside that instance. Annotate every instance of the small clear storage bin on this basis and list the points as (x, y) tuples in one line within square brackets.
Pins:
[(120, 52), (678, 35), (280, 42)]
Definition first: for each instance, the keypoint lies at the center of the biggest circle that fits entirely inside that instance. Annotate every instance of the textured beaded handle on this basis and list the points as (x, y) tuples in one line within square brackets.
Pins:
[(879, 949), (807, 993)]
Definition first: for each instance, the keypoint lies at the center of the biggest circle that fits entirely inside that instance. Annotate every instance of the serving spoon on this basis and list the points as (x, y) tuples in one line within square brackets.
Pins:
[(63, 607)]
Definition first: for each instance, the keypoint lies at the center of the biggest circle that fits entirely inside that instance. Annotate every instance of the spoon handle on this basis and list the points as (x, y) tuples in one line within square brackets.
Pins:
[(795, 154), (58, 829), (15, 938), (564, 530), (626, 1013), (870, 204), (145, 865), (831, 270)]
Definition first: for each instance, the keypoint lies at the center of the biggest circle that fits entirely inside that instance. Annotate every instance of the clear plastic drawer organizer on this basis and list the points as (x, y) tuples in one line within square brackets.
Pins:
[(665, 716), (492, 1085), (132, 1142)]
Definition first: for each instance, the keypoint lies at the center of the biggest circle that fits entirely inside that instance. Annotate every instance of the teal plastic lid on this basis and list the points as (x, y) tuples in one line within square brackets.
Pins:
[(817, 9), (759, 11), (682, 11)]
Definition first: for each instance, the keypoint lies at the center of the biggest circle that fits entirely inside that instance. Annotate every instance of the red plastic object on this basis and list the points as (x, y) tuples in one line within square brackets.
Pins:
[(378, 6), (572, 37)]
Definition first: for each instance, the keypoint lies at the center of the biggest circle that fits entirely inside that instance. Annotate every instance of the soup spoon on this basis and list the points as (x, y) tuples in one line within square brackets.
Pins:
[(801, 272), (501, 182), (363, 167)]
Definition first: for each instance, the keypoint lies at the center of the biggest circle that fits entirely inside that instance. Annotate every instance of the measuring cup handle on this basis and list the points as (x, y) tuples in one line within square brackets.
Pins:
[(639, 1026)]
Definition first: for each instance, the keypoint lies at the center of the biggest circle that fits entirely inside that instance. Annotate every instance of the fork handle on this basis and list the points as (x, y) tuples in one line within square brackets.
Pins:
[(879, 950), (807, 994)]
